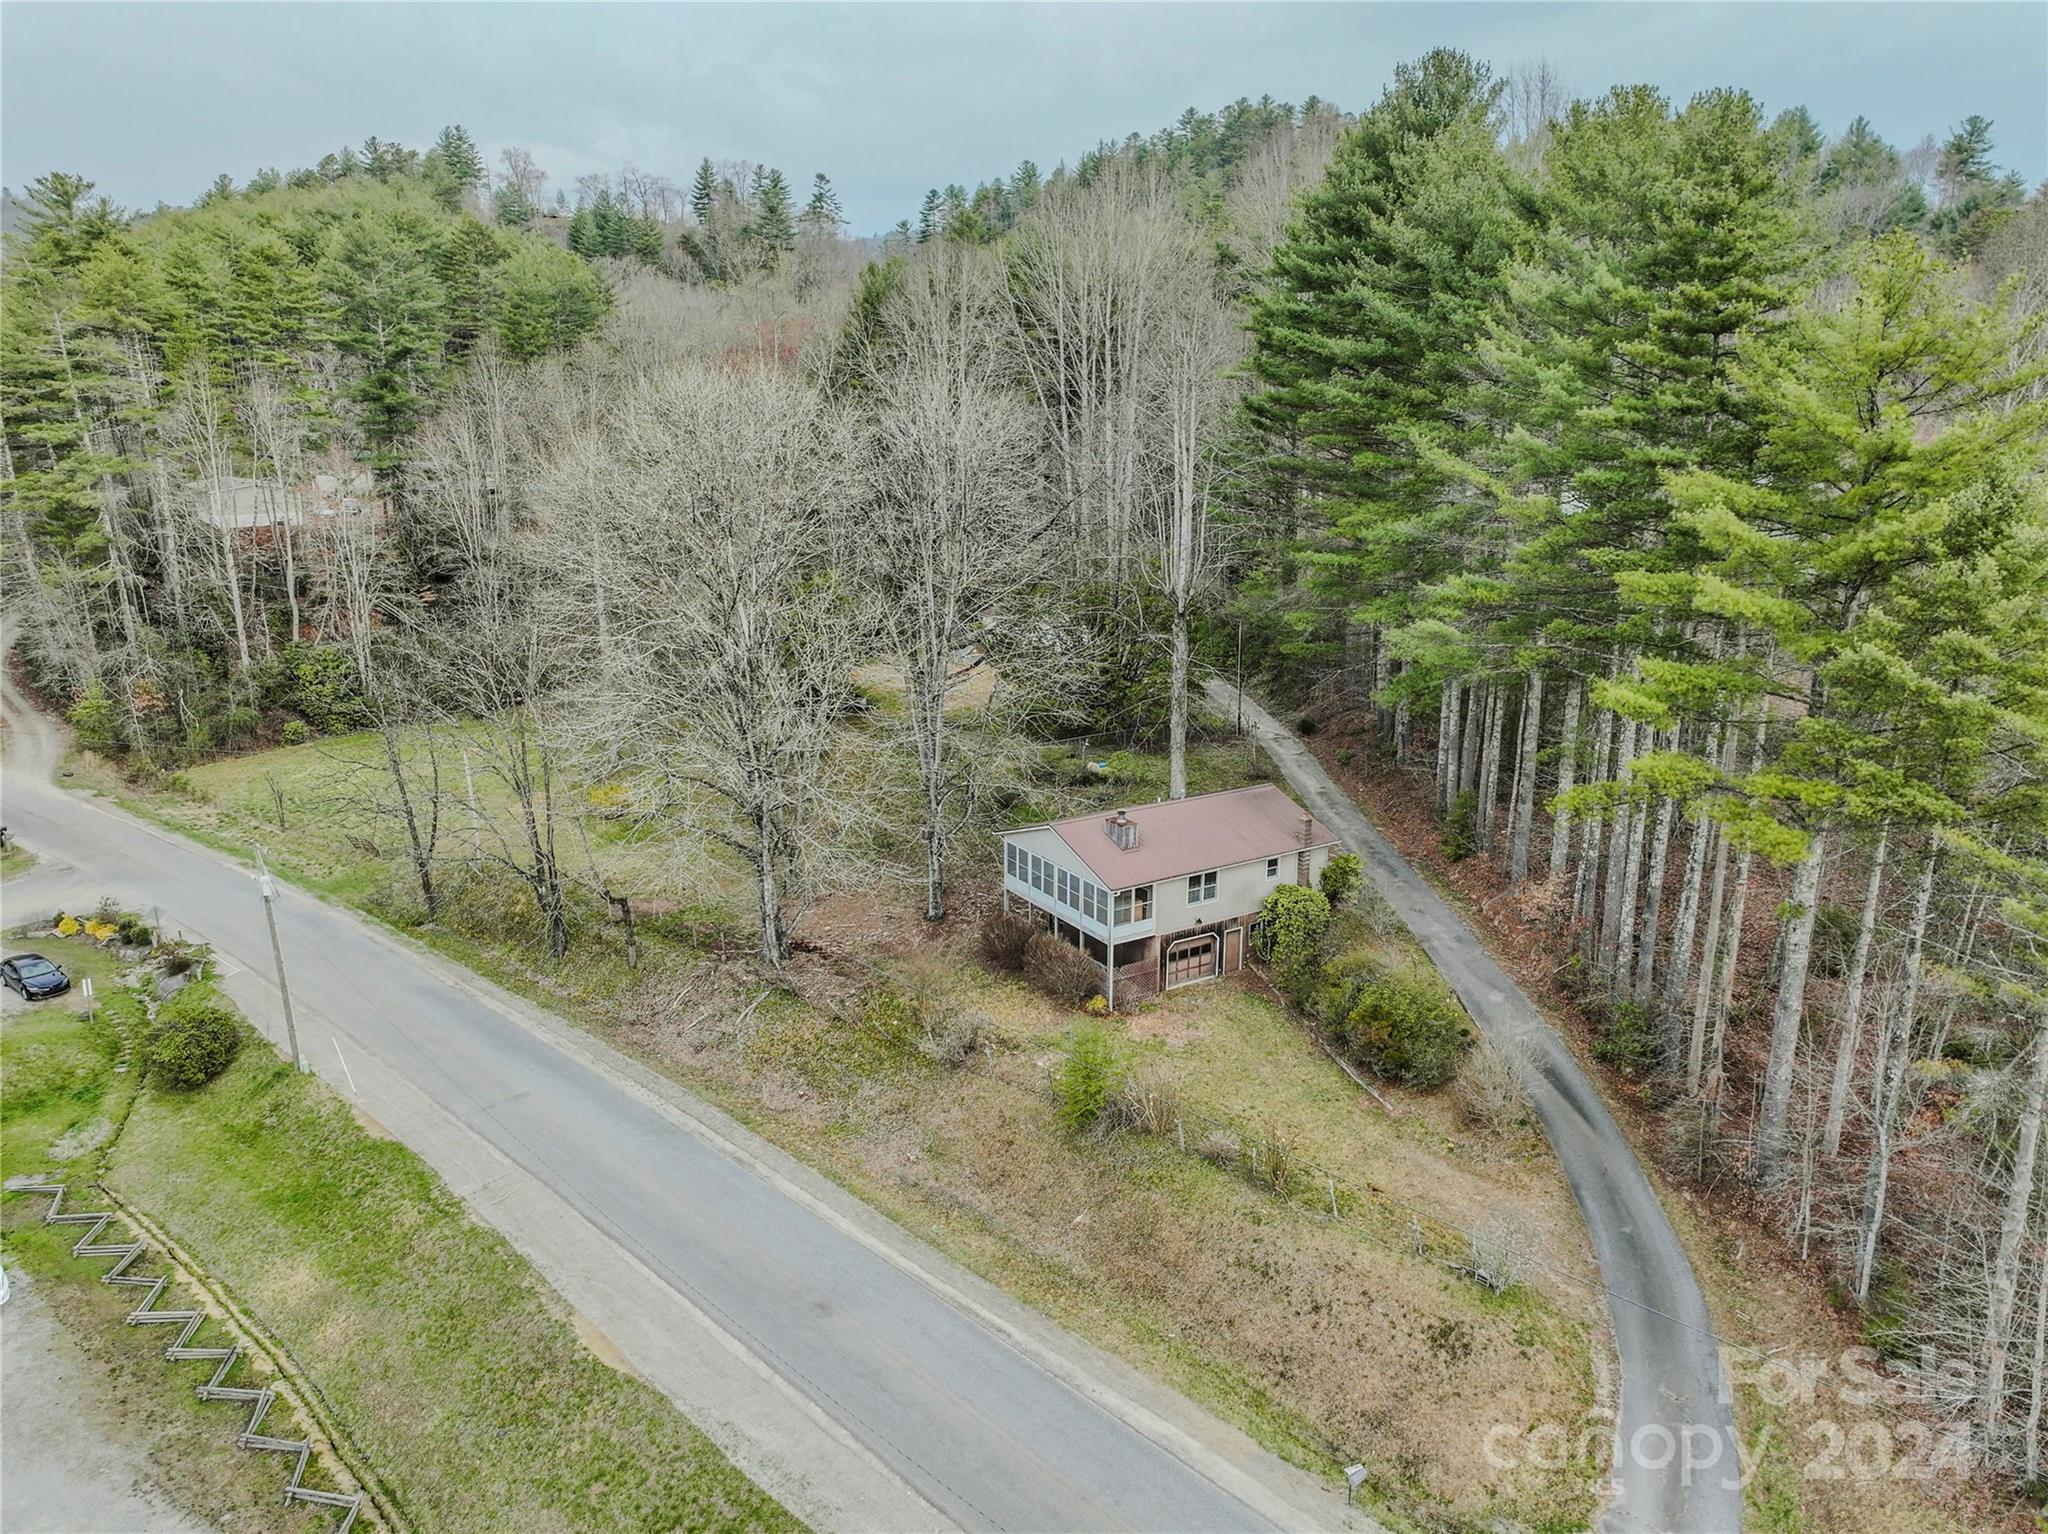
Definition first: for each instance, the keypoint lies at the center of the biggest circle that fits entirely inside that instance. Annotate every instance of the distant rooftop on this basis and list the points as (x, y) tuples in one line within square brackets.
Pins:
[(1188, 836)]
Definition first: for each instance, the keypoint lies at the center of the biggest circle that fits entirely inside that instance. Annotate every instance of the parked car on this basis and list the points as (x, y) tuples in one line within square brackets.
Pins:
[(34, 976)]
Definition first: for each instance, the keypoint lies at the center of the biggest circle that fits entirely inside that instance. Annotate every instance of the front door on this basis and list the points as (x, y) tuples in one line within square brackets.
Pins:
[(1192, 958)]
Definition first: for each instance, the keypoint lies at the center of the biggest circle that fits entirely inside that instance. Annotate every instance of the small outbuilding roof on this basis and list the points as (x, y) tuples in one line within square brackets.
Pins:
[(1189, 836)]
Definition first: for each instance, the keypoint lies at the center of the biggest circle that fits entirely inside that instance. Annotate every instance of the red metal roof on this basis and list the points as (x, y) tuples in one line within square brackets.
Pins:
[(1189, 836)]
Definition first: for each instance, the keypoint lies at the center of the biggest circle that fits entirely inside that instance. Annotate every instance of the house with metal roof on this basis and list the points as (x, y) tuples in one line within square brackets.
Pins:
[(1164, 894)]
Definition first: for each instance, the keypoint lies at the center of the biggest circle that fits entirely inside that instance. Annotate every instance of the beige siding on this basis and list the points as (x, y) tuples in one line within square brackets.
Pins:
[(1240, 891)]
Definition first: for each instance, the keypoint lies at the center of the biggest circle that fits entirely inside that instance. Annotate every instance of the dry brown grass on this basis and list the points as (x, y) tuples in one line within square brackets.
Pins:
[(1327, 1345)]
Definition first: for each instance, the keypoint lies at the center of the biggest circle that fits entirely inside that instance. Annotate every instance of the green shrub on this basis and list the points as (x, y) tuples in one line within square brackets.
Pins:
[(317, 684), (1088, 1079), (1291, 935), (1406, 1028), (177, 958), (1628, 1040), (1306, 725), (239, 724), (133, 932), (1340, 878), (96, 719), (1061, 970), (1461, 831), (1003, 938), (296, 732), (195, 1036)]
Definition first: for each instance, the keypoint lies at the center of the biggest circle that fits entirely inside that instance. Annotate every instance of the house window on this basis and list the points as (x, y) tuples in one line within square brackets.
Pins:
[(1134, 904), (1063, 889), (1038, 873), (1202, 888), (1010, 859), (1272, 868)]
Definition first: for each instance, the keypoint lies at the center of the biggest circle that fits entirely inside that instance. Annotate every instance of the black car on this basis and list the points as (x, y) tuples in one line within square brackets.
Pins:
[(34, 976)]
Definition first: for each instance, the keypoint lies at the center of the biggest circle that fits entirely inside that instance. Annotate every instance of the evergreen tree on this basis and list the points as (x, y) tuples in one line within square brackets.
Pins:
[(583, 237), (772, 230), (547, 299), (458, 150), (1888, 544), (64, 222), (1025, 187), (390, 312), (1669, 246), (1865, 179), (823, 212), (1966, 156), (704, 191), (512, 208), (271, 311), (1975, 197), (928, 217), (1363, 333), (464, 262), (645, 242)]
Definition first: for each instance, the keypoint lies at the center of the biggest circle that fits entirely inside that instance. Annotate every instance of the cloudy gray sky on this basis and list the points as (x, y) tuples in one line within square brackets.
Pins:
[(154, 100)]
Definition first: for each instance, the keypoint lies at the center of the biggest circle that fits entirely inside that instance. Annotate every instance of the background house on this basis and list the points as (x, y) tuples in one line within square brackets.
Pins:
[(1164, 894)]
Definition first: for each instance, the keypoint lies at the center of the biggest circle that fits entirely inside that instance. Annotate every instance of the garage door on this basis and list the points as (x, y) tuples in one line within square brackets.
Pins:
[(1192, 958)]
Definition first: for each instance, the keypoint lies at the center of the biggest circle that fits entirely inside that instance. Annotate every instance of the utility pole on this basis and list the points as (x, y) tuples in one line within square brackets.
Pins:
[(269, 888)]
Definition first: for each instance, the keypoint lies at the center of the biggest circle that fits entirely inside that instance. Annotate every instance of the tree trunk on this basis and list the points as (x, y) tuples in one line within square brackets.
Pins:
[(1630, 931), (1446, 743), (1653, 914), (1685, 925), (419, 839), (926, 684), (1707, 985), (1489, 776), (2032, 1437), (1892, 1086), (1585, 894), (1567, 775), (772, 952), (2005, 1265), (1611, 913), (1524, 821), (1473, 736), (1177, 716), (1731, 954), (1788, 1012), (1852, 1003)]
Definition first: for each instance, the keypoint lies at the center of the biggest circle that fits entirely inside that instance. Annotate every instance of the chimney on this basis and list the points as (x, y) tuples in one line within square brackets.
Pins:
[(1301, 873), (1307, 831), (1122, 830)]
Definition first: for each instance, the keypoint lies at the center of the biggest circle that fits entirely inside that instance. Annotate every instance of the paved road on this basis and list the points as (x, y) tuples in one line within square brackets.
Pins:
[(1675, 1438), (70, 1464), (927, 1400)]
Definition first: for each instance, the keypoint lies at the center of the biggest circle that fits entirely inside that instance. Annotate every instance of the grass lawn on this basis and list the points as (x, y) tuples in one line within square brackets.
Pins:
[(1323, 1342), (15, 859), (445, 1359), (60, 1101)]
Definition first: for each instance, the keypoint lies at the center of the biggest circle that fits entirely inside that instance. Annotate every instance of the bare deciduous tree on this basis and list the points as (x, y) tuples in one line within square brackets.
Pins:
[(721, 499), (955, 531)]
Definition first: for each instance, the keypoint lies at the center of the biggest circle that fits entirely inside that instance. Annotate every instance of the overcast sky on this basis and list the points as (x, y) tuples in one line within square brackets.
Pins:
[(152, 101)]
